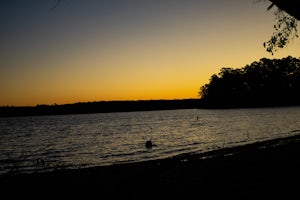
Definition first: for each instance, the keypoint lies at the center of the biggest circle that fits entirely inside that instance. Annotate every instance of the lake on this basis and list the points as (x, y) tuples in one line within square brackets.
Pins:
[(46, 143)]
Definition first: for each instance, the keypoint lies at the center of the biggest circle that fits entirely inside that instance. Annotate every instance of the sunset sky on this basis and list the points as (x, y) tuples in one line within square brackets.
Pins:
[(94, 50)]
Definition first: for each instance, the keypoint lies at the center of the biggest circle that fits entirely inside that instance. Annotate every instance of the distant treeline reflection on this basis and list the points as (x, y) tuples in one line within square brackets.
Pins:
[(269, 82)]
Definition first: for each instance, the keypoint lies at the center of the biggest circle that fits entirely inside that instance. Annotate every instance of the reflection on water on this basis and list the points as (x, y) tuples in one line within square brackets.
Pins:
[(29, 144)]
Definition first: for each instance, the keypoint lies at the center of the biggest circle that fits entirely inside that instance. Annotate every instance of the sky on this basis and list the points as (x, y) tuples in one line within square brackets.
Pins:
[(102, 50)]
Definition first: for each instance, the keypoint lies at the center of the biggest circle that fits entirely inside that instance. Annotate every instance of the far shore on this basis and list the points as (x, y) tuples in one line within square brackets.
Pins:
[(99, 107), (125, 106), (263, 170)]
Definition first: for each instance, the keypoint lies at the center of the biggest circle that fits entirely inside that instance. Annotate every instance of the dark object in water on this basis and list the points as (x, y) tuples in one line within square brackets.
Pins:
[(149, 144)]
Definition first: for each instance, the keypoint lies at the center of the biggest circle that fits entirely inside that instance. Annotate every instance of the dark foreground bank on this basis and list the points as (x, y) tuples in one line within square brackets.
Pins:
[(262, 170)]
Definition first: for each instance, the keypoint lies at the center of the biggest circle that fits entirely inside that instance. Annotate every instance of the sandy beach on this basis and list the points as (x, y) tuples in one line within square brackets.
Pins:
[(263, 170)]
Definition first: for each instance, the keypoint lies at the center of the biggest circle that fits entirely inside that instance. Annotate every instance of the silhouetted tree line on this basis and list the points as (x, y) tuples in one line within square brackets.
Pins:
[(268, 82), (99, 107)]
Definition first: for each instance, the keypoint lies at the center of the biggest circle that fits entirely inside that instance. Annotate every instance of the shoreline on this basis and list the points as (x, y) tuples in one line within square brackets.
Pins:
[(125, 106), (263, 169)]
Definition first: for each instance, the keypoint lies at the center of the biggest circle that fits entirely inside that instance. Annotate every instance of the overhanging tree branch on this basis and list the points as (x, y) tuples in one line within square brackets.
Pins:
[(292, 7), (56, 4), (286, 26)]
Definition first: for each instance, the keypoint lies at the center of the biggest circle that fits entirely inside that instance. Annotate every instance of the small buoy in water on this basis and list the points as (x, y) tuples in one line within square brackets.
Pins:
[(149, 144)]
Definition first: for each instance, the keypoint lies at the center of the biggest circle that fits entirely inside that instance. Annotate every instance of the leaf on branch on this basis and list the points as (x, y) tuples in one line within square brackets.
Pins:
[(285, 31)]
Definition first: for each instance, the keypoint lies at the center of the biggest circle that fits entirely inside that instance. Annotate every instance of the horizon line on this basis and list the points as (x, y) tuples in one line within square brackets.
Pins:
[(99, 101)]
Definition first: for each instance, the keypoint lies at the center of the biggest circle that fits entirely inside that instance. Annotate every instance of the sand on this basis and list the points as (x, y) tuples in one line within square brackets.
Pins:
[(263, 170)]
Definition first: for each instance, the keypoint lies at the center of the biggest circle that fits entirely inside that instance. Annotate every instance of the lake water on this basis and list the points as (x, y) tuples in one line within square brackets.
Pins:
[(45, 143)]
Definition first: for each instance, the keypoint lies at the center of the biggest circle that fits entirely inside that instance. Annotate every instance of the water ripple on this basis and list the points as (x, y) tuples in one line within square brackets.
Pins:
[(45, 143)]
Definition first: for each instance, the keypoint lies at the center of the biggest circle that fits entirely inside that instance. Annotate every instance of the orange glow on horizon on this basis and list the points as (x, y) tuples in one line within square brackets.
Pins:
[(165, 51)]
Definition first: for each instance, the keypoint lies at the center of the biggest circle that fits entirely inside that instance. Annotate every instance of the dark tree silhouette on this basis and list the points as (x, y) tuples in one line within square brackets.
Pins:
[(286, 26), (264, 83), (292, 7)]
